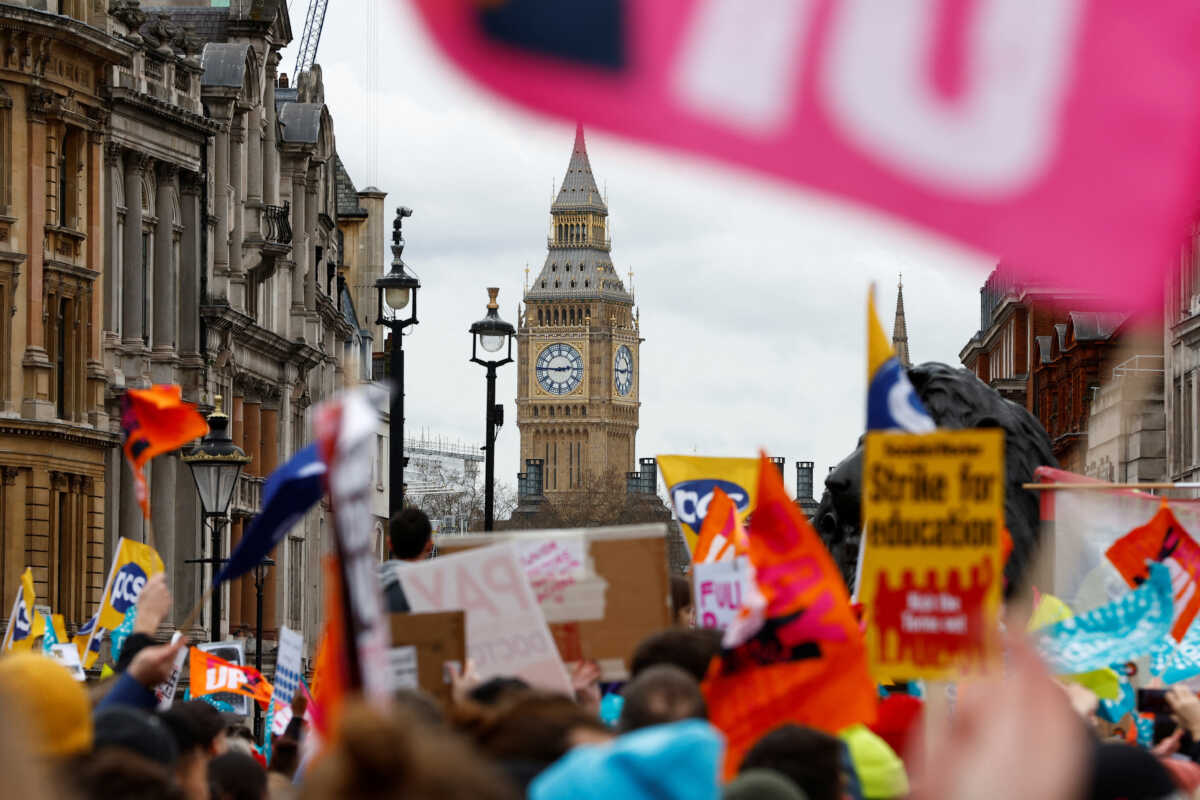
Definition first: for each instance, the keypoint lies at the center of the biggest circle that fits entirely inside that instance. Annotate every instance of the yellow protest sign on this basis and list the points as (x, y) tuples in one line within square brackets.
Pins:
[(933, 512), (690, 482)]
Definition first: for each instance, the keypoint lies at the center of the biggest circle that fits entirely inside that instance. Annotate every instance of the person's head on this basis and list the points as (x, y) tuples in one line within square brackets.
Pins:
[(683, 612), (529, 730), (53, 704), (236, 776), (196, 725), (199, 733), (497, 689), (136, 731), (761, 784), (880, 771), (387, 754), (118, 773), (1119, 770), (285, 756), (422, 704), (809, 758), (690, 649), (662, 693), (410, 535)]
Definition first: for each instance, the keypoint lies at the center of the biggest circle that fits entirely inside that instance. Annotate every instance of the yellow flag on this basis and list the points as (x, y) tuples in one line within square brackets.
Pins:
[(690, 482), (134, 564), (19, 634)]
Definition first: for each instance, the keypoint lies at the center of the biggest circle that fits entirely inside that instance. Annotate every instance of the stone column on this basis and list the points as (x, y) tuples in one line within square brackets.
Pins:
[(221, 202), (252, 435), (132, 323), (113, 270), (166, 284), (35, 398), (189, 266), (162, 503), (237, 179), (254, 156), (311, 207), (300, 253), (132, 524), (270, 172), (270, 460)]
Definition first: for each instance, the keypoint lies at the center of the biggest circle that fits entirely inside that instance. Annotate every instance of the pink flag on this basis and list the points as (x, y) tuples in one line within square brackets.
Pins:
[(1060, 135)]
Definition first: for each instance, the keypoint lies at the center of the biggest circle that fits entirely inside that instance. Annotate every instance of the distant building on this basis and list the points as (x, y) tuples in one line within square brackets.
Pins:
[(1055, 352), (1182, 364)]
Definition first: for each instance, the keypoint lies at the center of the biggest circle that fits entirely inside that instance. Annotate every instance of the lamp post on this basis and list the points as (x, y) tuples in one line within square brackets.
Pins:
[(490, 335), (216, 465), (260, 579), (396, 291)]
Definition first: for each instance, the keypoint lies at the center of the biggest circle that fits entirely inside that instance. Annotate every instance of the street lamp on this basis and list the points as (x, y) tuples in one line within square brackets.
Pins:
[(216, 465), (395, 292), (491, 334)]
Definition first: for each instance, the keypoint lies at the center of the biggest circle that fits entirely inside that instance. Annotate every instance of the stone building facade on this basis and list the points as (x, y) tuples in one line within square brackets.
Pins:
[(169, 205), (55, 432), (1181, 364)]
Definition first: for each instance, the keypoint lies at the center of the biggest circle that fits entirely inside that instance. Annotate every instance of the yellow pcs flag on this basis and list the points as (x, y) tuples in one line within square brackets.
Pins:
[(690, 482), (19, 633), (134, 564)]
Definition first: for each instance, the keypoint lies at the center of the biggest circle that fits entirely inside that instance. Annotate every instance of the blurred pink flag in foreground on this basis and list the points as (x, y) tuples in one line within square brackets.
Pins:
[(1060, 135)]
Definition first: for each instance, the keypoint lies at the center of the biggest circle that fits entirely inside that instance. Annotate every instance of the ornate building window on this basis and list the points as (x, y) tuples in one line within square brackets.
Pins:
[(66, 545), (70, 169), (6, 157), (65, 319), (296, 582)]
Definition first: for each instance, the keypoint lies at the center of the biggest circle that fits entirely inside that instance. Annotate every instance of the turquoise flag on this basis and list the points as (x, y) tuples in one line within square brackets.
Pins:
[(1127, 628), (121, 633), (51, 638), (1115, 710)]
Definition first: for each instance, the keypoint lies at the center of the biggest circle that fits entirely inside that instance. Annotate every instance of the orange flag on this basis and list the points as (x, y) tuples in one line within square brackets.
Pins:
[(1162, 539), (155, 421), (211, 674), (331, 671), (721, 535), (798, 656)]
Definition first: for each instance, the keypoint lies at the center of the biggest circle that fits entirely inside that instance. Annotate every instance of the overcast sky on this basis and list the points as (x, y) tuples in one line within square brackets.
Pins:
[(752, 293)]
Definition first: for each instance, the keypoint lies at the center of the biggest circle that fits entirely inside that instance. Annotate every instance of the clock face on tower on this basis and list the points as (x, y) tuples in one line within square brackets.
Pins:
[(559, 368), (623, 370)]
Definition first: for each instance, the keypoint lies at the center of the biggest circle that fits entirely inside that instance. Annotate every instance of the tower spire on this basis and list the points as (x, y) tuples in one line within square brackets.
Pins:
[(899, 328)]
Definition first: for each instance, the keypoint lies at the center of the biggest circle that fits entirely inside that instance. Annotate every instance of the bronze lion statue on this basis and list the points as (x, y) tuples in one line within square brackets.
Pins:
[(956, 399)]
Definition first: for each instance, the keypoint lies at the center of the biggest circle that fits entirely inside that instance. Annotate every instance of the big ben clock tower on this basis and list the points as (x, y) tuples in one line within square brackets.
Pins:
[(577, 345)]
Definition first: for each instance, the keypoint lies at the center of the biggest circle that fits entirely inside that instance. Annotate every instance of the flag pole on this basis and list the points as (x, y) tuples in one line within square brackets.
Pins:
[(190, 619)]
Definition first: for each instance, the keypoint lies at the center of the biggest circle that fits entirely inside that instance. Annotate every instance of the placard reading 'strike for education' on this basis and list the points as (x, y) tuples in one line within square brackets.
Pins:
[(933, 516)]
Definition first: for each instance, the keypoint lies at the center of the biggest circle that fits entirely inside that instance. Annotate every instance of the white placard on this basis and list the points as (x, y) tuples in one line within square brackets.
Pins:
[(287, 665), (68, 656), (165, 691), (720, 588), (506, 630), (403, 662)]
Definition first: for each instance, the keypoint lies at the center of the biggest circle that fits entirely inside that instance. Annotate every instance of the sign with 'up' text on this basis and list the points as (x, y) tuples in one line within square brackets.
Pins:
[(933, 516)]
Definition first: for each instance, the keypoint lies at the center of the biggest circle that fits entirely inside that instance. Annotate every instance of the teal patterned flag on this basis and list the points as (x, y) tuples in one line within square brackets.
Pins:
[(1131, 626), (121, 633), (51, 638)]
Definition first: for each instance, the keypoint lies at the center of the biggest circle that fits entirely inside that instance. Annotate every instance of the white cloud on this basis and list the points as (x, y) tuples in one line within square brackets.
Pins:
[(752, 293)]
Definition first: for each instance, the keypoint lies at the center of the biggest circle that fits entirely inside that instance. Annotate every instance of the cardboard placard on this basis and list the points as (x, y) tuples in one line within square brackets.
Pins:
[(438, 637), (933, 512), (629, 562)]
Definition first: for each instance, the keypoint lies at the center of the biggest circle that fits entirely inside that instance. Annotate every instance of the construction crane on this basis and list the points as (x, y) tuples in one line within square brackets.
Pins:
[(314, 20)]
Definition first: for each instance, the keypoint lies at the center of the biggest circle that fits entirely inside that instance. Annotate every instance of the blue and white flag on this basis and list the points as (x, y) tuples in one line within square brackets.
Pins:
[(892, 403), (1126, 629), (290, 491)]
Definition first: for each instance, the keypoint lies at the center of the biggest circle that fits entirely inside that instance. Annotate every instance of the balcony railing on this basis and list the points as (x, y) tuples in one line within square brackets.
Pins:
[(277, 228)]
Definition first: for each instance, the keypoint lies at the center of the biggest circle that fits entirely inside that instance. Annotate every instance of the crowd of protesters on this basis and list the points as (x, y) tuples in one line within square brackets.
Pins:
[(1020, 735)]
